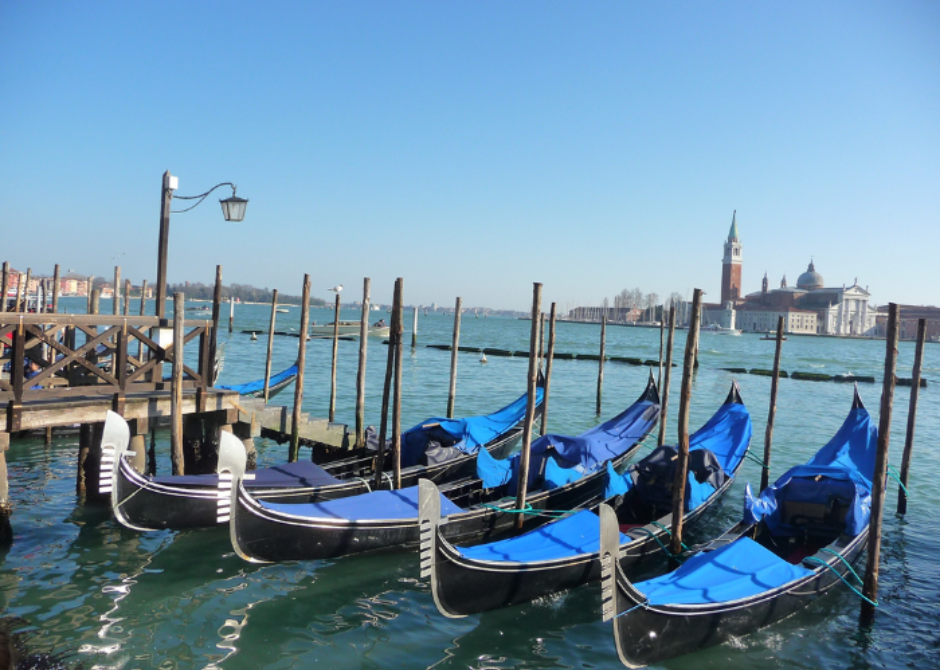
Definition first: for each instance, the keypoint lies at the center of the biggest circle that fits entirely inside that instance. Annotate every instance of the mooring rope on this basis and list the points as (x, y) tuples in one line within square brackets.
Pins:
[(844, 581), (644, 605), (754, 457), (893, 473), (531, 511)]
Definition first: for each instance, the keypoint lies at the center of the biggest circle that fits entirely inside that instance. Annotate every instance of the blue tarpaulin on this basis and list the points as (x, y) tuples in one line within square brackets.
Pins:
[(285, 475), (841, 473), (578, 455), (737, 570), (257, 385), (399, 504), (467, 434)]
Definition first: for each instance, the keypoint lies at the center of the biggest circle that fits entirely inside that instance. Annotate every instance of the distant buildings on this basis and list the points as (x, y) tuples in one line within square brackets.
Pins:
[(810, 307)]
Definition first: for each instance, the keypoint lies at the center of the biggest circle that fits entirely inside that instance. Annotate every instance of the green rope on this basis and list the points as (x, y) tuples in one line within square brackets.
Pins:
[(839, 575), (662, 546), (643, 604), (757, 460), (528, 509), (669, 533), (844, 562), (893, 473)]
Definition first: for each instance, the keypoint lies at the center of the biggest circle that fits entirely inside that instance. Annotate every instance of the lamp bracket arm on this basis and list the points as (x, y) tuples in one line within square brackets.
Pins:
[(201, 196)]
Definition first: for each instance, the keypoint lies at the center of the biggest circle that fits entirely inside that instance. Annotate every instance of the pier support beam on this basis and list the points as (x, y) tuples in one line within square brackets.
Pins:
[(89, 462), (138, 444), (6, 509)]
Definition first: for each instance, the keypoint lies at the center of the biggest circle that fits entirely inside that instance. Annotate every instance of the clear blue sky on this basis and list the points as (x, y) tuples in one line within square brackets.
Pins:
[(475, 147)]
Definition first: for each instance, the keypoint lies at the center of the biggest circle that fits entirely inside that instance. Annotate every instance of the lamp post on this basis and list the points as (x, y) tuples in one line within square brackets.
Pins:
[(233, 209)]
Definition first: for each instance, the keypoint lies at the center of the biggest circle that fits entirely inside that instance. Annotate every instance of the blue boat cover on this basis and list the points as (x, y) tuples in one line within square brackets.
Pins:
[(573, 457), (285, 475), (466, 435), (737, 570), (727, 435), (574, 535), (258, 384), (398, 504), (841, 472)]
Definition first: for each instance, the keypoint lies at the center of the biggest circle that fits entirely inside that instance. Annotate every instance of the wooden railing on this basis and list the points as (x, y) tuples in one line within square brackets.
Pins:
[(89, 354)]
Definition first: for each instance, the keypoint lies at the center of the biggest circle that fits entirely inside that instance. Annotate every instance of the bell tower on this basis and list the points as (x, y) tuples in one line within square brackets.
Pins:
[(731, 265)]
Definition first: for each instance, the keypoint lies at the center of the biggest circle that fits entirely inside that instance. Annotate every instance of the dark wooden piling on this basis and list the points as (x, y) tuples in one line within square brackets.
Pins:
[(127, 297), (216, 312), (231, 314), (23, 301), (90, 290), (397, 333), (530, 405), (685, 398), (911, 415), (96, 301), (453, 361), (361, 373), (5, 285), (176, 398), (267, 359), (6, 509), (414, 330), (662, 333), (664, 390), (772, 413), (116, 292), (600, 363), (294, 453), (870, 586), (332, 411), (55, 290), (143, 311), (549, 357)]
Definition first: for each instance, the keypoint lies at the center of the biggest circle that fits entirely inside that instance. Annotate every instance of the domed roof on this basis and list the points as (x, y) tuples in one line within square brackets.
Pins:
[(810, 279)]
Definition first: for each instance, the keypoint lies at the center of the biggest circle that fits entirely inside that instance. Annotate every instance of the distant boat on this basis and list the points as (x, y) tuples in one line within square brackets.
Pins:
[(276, 384), (720, 330), (772, 336), (348, 328), (282, 310)]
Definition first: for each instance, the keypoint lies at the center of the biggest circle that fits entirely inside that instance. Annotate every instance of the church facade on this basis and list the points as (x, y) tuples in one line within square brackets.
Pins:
[(808, 308)]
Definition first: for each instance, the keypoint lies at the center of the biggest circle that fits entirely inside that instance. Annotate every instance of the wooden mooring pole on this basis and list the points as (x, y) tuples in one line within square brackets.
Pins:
[(870, 586), (55, 290), (912, 415), (332, 410), (600, 363), (530, 405), (662, 333), (267, 360), (176, 397), (127, 297), (90, 290), (397, 333), (24, 302), (772, 413), (216, 326), (116, 292), (361, 373), (453, 361), (549, 357), (143, 311), (5, 286), (414, 330), (386, 393), (664, 391), (231, 314), (294, 452), (685, 398)]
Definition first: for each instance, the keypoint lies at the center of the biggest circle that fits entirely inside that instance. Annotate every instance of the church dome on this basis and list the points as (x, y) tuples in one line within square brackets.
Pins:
[(810, 279)]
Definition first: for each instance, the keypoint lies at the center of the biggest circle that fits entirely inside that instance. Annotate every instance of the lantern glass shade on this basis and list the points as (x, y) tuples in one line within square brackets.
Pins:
[(233, 209)]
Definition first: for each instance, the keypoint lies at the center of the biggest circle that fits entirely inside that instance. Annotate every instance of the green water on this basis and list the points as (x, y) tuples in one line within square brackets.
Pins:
[(183, 600)]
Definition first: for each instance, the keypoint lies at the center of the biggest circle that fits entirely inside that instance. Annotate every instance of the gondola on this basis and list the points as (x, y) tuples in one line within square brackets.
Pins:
[(565, 553), (437, 449), (276, 384), (797, 540), (565, 472)]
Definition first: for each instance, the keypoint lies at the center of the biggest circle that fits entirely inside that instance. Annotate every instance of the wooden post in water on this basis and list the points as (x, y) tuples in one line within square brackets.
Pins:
[(143, 310), (396, 342), (90, 290), (55, 290), (685, 397), (231, 314), (600, 363), (301, 362), (530, 405), (267, 360), (176, 397), (116, 292), (383, 422), (127, 297), (216, 313), (662, 333), (911, 415), (361, 373), (870, 586), (23, 302), (5, 286), (664, 391), (332, 413), (414, 330), (769, 431), (453, 361), (549, 357)]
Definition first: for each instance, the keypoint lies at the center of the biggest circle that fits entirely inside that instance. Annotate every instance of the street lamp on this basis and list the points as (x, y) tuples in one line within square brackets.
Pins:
[(233, 209)]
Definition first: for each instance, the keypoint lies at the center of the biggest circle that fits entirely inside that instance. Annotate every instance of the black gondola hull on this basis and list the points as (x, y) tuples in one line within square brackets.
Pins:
[(650, 634)]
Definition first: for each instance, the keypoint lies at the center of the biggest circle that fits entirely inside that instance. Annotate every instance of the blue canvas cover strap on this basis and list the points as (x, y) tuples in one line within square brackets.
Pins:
[(738, 570)]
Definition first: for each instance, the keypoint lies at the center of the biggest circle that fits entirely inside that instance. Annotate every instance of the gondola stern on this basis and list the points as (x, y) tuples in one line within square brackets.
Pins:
[(429, 519), (115, 439), (616, 589)]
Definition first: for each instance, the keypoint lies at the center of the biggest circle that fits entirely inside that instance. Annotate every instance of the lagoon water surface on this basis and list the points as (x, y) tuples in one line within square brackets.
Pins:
[(122, 599)]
